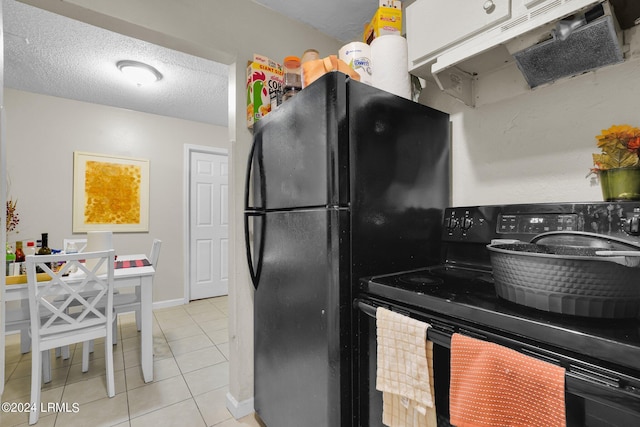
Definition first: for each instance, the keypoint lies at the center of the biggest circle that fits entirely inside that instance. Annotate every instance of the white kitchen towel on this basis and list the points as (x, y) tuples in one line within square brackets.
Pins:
[(401, 412), (403, 369)]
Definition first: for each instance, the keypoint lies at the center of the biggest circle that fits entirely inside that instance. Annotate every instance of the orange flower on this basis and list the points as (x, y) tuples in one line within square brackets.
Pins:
[(12, 215), (620, 145)]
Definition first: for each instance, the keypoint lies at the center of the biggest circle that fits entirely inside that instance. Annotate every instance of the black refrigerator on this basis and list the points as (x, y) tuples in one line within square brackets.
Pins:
[(343, 181)]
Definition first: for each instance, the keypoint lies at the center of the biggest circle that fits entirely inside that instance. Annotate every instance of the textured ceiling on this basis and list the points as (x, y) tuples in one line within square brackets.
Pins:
[(53, 55)]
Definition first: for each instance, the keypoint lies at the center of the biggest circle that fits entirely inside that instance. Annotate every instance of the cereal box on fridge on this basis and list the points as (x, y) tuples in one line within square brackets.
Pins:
[(264, 87), (386, 20)]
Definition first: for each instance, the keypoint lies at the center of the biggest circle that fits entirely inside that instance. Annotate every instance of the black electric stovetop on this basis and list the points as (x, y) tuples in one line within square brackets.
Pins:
[(469, 295)]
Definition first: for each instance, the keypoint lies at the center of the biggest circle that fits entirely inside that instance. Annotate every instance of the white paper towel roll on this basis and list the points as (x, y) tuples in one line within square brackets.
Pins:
[(358, 56), (391, 65), (98, 241)]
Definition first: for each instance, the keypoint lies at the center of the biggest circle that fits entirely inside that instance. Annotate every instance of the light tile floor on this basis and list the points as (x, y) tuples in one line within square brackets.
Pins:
[(191, 359)]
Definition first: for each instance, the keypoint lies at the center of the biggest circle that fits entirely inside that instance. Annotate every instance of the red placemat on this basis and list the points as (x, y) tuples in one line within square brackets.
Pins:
[(132, 263)]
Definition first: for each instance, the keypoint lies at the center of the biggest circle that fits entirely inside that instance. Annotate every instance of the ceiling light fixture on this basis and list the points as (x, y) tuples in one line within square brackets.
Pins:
[(139, 72)]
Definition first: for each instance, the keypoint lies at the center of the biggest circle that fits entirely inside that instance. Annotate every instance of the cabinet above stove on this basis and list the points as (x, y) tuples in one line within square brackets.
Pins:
[(457, 42)]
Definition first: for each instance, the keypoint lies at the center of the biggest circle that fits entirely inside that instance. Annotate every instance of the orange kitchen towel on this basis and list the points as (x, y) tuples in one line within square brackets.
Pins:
[(403, 367), (493, 385)]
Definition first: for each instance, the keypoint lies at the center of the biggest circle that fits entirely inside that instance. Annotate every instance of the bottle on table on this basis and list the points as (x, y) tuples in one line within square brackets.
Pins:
[(19, 257), (31, 248), (292, 77), (19, 252), (44, 249), (11, 259)]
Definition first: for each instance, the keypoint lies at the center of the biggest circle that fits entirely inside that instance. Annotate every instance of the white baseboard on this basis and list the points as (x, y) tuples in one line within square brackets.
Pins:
[(239, 409), (168, 303)]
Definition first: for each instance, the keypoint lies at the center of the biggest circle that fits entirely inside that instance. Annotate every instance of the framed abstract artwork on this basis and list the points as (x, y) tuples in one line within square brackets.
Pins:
[(110, 193)]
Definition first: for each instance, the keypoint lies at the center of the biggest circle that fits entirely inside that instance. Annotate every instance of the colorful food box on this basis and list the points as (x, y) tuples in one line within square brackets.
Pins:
[(395, 4), (264, 87), (386, 20)]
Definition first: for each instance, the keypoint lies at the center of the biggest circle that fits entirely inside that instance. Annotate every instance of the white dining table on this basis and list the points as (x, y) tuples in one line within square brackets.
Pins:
[(123, 278)]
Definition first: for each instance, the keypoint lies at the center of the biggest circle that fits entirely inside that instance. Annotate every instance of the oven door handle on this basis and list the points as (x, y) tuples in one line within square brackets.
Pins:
[(437, 336), (366, 308), (578, 381), (624, 399)]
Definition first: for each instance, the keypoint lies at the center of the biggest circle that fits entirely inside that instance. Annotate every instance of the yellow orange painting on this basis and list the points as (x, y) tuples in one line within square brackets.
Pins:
[(110, 193)]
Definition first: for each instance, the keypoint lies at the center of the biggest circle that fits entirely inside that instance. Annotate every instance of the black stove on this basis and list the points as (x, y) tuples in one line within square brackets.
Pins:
[(468, 295), (462, 286), (601, 355)]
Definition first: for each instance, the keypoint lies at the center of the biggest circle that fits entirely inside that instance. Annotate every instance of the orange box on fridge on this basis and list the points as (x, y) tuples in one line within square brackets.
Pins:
[(386, 20), (264, 87)]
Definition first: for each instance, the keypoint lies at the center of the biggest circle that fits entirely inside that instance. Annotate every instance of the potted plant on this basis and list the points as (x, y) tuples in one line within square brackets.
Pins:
[(12, 215), (618, 163), (12, 222)]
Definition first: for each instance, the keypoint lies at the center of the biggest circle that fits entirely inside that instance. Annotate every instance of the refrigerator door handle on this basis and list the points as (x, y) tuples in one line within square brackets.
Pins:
[(247, 183), (254, 269)]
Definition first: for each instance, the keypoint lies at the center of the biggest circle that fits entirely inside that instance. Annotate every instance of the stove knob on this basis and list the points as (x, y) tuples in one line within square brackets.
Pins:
[(632, 226), (450, 223), (467, 223)]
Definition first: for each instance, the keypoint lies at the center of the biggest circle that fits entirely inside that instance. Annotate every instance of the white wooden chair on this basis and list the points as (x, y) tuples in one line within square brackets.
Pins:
[(81, 244), (122, 303), (130, 302), (76, 319), (23, 327)]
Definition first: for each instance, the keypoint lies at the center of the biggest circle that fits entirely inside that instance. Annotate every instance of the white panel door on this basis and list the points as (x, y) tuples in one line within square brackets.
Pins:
[(208, 224)]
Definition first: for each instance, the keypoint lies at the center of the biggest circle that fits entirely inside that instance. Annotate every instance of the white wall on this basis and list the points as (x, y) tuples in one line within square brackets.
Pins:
[(536, 146), (42, 132)]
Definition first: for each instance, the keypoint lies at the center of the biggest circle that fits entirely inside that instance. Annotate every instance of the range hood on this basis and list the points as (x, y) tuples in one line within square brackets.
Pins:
[(585, 42), (547, 39)]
